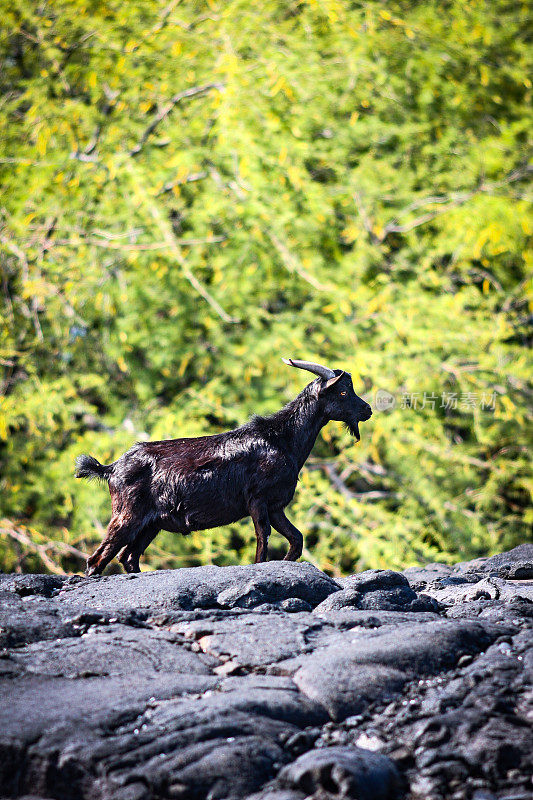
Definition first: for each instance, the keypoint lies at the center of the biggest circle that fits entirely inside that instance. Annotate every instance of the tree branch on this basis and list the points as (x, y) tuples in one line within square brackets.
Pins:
[(109, 245), (341, 487), (194, 91), (194, 176), (292, 263), (365, 219), (449, 202), (25, 276), (165, 14), (174, 246), (42, 550)]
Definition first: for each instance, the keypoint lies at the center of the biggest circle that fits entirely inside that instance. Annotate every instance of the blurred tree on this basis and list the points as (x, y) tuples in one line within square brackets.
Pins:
[(193, 189)]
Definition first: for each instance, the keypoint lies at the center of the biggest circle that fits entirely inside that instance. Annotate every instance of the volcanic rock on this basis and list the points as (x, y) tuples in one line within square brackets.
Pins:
[(270, 682)]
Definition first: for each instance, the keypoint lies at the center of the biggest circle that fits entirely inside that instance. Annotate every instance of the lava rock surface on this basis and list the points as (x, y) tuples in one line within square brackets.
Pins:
[(270, 682)]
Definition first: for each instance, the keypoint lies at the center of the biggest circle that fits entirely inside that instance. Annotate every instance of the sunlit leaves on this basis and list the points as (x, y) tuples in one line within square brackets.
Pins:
[(355, 191)]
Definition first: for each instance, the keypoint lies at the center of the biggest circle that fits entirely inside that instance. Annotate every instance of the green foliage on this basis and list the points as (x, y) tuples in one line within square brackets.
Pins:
[(193, 189)]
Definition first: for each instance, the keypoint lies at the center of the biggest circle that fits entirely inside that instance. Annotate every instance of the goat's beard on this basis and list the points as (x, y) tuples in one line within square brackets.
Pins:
[(353, 428)]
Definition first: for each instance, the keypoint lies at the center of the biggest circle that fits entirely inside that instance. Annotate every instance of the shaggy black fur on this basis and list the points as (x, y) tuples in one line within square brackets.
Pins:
[(185, 485)]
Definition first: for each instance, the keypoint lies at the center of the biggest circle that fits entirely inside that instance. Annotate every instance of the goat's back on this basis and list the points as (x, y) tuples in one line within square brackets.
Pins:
[(203, 482)]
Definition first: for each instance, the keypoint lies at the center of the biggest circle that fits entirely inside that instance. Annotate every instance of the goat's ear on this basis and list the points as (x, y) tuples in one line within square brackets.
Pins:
[(331, 382)]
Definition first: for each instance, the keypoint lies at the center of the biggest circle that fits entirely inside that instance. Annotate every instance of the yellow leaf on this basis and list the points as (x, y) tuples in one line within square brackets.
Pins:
[(374, 304), (41, 144), (92, 80), (507, 403), (279, 84), (525, 224), (480, 242), (345, 307), (351, 232)]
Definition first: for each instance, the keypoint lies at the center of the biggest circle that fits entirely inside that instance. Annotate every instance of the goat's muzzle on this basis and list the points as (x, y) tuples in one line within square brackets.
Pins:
[(366, 413), (362, 415)]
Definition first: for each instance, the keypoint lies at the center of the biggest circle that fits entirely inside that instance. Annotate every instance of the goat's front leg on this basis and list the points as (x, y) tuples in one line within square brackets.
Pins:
[(289, 531), (259, 515)]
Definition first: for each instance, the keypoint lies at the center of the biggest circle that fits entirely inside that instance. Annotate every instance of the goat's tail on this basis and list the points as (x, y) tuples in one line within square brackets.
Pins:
[(89, 467)]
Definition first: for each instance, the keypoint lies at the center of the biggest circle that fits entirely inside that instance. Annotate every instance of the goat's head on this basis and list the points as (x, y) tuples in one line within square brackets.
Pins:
[(335, 393)]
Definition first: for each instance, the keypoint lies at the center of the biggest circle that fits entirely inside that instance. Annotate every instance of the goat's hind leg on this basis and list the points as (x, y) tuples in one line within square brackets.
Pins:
[(289, 531), (130, 555), (120, 532), (127, 557)]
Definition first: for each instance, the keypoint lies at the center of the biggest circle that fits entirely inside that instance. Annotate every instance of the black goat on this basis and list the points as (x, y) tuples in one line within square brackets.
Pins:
[(184, 485)]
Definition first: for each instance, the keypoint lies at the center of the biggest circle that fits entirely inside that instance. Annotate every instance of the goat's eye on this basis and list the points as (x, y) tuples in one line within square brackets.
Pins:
[(342, 394)]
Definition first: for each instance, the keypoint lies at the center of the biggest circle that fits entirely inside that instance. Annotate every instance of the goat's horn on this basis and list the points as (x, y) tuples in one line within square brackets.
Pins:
[(310, 366)]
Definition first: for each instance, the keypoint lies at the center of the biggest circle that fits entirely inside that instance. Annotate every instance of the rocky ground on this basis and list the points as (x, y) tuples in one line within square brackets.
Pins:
[(270, 682)]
